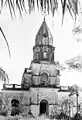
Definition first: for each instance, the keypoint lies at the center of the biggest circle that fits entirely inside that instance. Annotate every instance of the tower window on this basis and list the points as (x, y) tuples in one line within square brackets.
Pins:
[(58, 72), (45, 54), (44, 79), (45, 41)]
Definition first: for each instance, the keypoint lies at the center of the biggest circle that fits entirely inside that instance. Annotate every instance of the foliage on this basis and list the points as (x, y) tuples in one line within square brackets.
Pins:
[(15, 111), (49, 6), (42, 5), (62, 116), (75, 63), (59, 66), (3, 76), (1, 30), (77, 31), (3, 110), (67, 105)]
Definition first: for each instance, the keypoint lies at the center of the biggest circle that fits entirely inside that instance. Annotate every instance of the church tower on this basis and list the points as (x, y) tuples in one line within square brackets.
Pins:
[(43, 49), (42, 71), (40, 83), (40, 91)]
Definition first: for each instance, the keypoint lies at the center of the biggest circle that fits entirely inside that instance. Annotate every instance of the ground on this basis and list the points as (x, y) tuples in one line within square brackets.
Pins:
[(23, 118)]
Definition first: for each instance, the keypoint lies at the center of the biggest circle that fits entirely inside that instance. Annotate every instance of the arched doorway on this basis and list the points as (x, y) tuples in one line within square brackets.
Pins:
[(14, 103), (15, 107), (43, 107)]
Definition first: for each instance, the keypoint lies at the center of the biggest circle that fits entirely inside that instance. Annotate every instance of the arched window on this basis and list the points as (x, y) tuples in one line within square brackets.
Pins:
[(44, 79), (45, 52), (45, 55), (14, 103)]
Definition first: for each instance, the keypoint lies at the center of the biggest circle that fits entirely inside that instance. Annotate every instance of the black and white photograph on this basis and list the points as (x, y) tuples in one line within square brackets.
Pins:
[(40, 59)]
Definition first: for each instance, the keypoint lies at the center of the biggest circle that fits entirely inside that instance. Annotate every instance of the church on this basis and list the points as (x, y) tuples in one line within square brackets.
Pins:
[(40, 90)]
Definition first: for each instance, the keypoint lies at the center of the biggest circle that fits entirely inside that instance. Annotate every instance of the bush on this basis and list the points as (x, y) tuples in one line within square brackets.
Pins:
[(3, 112), (15, 111)]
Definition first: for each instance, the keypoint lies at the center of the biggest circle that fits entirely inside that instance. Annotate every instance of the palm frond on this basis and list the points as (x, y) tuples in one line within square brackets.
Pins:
[(3, 76), (63, 8), (54, 6), (42, 5), (1, 3), (23, 4), (29, 5), (70, 11), (37, 4), (12, 5), (10, 8), (5, 41), (73, 4), (49, 6), (19, 7)]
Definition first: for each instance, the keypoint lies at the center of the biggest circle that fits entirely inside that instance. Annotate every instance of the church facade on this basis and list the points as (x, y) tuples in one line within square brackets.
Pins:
[(40, 89)]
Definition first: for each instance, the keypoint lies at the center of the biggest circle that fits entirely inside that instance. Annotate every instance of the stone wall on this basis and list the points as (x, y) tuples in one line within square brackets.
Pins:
[(22, 96), (37, 94), (37, 68)]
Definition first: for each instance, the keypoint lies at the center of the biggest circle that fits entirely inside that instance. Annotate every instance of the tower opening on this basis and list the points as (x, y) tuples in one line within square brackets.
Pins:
[(44, 79), (43, 107)]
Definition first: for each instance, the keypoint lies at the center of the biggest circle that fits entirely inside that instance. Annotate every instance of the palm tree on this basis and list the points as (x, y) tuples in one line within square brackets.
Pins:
[(67, 106), (74, 90), (3, 76), (1, 30)]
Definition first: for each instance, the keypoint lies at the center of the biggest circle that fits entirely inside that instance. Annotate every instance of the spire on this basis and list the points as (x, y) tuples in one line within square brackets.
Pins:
[(43, 49), (44, 33), (44, 13)]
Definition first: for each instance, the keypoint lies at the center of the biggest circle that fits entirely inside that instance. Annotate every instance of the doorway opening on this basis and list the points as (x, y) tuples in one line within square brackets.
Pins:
[(44, 107), (15, 109)]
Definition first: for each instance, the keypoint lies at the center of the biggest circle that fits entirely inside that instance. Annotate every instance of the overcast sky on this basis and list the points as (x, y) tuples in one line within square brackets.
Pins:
[(21, 35)]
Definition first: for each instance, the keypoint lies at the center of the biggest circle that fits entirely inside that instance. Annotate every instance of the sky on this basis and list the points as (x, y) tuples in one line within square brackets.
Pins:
[(21, 34)]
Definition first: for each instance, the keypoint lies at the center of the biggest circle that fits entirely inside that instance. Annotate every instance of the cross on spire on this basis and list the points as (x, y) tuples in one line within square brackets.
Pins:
[(44, 13), (44, 18)]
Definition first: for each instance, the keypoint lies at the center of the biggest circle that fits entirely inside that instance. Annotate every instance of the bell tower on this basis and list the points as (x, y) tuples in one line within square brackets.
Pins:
[(43, 49), (42, 71)]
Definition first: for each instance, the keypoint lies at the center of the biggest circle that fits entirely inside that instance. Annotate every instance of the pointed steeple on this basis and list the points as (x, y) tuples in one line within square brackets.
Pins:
[(43, 49), (44, 36)]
